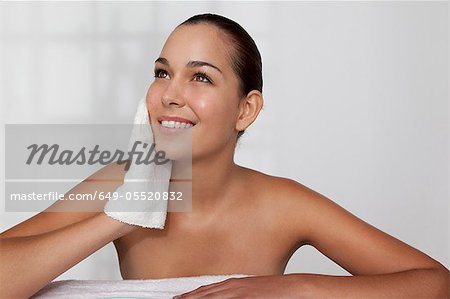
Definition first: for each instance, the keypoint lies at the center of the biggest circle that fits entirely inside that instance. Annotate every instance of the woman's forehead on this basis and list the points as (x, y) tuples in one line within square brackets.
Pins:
[(198, 42)]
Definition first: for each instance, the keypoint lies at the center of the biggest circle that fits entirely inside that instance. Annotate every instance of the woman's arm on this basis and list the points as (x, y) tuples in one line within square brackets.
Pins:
[(415, 283), (383, 266), (31, 262), (41, 248), (420, 284)]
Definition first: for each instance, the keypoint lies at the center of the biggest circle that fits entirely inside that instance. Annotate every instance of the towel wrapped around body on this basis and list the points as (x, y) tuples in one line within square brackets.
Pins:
[(130, 289)]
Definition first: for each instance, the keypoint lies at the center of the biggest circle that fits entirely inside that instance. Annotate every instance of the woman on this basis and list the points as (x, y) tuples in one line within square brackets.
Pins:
[(242, 221)]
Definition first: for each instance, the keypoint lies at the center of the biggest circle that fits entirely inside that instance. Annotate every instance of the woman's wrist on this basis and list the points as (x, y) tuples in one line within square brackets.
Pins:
[(302, 286), (122, 228)]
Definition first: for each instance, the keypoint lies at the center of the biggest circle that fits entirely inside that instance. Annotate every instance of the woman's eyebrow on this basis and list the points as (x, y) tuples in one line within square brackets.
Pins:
[(191, 63), (162, 60), (197, 63)]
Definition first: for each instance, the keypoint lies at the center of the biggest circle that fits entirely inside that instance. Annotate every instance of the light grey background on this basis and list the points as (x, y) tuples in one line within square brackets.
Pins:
[(356, 99)]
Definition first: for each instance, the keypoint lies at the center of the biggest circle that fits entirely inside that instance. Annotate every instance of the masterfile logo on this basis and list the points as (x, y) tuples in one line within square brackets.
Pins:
[(45, 162)]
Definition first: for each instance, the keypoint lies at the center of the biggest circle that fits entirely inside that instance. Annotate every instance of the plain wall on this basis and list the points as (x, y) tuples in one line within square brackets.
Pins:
[(356, 99)]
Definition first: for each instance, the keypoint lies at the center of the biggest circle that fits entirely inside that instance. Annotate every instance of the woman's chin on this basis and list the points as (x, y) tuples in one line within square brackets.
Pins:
[(176, 147)]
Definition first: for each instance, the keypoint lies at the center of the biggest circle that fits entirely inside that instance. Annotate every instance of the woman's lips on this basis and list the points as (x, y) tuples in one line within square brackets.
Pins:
[(171, 118), (174, 124)]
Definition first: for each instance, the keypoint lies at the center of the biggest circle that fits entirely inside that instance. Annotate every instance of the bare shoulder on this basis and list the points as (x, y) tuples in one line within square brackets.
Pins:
[(281, 190), (66, 212), (288, 201)]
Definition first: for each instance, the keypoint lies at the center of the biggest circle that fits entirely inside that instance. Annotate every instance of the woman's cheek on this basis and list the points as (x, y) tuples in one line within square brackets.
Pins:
[(153, 96), (209, 113)]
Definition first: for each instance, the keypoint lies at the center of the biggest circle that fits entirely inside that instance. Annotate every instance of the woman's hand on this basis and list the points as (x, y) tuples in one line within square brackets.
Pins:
[(273, 286)]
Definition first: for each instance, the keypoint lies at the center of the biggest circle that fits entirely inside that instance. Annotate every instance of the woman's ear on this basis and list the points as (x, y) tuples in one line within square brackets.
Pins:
[(249, 108)]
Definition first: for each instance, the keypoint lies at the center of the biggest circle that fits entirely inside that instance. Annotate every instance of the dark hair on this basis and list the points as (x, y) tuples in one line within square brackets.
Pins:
[(245, 60)]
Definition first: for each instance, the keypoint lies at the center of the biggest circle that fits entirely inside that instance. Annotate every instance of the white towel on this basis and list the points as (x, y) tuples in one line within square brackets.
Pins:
[(154, 288), (151, 177)]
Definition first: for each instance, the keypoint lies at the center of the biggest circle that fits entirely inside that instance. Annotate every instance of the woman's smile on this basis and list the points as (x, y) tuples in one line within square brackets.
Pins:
[(174, 124)]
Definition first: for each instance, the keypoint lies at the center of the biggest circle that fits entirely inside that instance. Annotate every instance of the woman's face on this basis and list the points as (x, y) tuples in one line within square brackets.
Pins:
[(195, 84)]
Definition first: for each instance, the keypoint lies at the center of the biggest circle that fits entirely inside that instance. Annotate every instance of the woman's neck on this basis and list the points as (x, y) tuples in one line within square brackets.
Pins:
[(213, 180)]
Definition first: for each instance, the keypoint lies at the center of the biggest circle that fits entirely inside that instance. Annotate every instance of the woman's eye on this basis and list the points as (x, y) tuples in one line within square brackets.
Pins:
[(203, 78), (199, 77), (159, 73)]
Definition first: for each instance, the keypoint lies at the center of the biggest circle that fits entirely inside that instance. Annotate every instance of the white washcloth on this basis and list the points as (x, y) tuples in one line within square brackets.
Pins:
[(151, 178), (154, 288)]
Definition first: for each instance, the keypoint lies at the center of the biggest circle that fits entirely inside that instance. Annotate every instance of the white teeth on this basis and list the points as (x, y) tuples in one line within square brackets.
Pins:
[(175, 124)]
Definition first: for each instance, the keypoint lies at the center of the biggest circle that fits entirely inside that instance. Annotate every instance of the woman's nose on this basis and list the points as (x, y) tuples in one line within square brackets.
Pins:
[(172, 96)]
